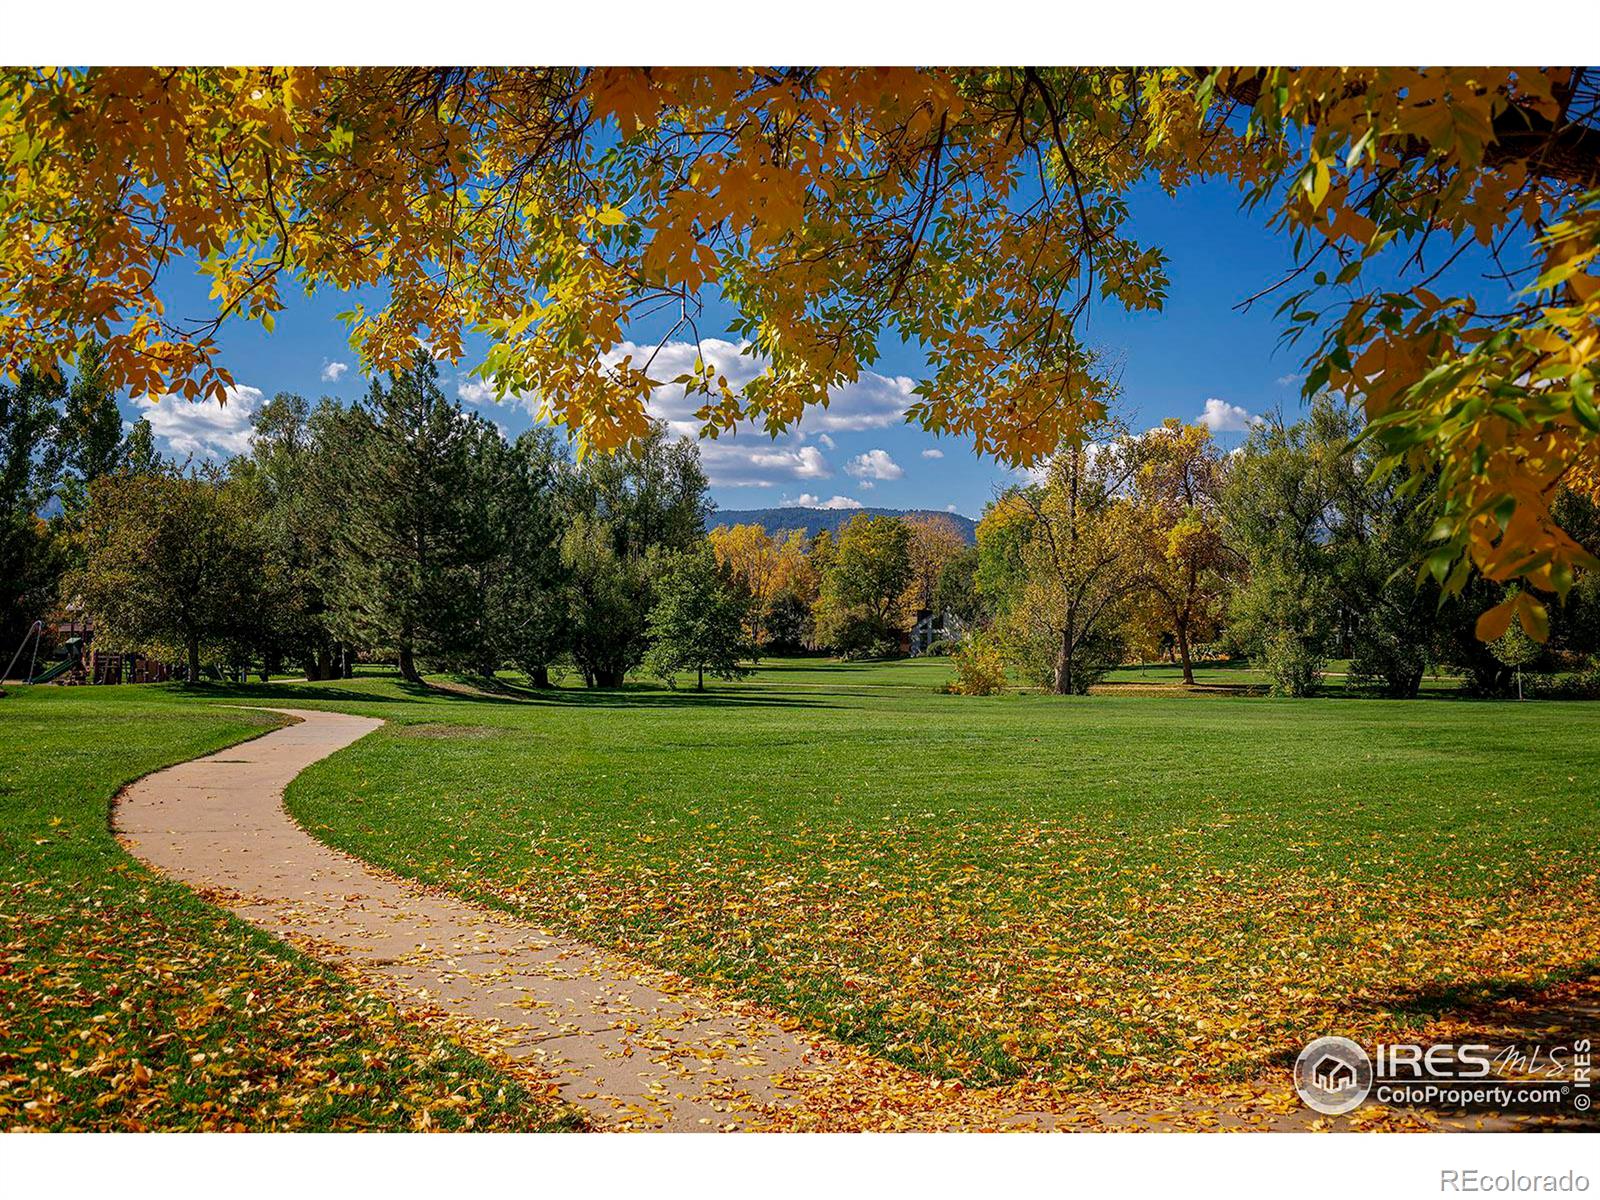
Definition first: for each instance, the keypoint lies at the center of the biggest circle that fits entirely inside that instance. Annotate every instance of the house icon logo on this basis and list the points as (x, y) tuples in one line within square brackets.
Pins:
[(1333, 1075)]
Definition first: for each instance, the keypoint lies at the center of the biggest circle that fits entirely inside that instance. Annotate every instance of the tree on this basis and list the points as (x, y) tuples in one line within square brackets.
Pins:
[(610, 594), (403, 578), (985, 210), (1062, 559), (935, 542), (1281, 515), (297, 465), (29, 555), (699, 621), (756, 561), (524, 608), (869, 570), (89, 442), (957, 590), (1393, 619), (1188, 565), (170, 561), (624, 513), (1516, 650)]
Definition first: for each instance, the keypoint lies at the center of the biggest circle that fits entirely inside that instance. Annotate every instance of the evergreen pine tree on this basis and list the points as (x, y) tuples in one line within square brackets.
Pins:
[(404, 580)]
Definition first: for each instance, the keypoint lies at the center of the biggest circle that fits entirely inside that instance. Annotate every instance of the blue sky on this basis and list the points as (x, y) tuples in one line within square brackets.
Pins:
[(1198, 357)]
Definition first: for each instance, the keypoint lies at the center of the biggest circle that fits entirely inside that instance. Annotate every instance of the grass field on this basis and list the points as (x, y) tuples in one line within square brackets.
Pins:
[(1097, 893), (1100, 892), (127, 1002)]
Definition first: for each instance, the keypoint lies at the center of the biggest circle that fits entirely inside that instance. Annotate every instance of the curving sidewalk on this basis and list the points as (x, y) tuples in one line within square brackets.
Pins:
[(631, 1054)]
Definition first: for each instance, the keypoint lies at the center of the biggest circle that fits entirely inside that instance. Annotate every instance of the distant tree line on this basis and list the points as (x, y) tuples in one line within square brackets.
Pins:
[(1291, 551), (399, 528), (403, 528)]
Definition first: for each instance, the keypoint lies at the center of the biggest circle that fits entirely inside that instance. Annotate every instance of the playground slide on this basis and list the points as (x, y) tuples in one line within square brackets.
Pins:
[(53, 671)]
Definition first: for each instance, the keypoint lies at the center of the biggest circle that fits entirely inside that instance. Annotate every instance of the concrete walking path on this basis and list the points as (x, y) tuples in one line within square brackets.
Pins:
[(632, 1055)]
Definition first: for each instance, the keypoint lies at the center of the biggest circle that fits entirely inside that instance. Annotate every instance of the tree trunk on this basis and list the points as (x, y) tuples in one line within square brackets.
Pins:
[(608, 677), (1183, 650), (408, 665), (539, 677), (194, 658), (347, 661), (1062, 684), (700, 677)]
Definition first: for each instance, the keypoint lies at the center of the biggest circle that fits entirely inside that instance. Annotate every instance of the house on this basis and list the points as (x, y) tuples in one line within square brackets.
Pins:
[(932, 628)]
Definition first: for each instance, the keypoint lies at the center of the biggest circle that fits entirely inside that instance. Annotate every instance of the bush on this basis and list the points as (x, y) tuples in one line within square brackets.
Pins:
[(980, 668), (1389, 670), (1583, 684), (1292, 663)]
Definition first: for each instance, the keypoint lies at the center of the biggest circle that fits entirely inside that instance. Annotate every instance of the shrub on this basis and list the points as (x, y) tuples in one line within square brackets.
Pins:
[(1293, 664), (1583, 684), (980, 668)]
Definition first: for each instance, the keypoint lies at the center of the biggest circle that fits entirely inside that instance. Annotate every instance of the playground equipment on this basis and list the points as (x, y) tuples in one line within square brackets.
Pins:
[(72, 656), (34, 632), (74, 649)]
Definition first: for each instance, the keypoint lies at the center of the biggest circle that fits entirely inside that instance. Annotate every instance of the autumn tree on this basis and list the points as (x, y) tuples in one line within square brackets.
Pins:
[(869, 569), (700, 619), (1187, 566), (1063, 557), (755, 559), (935, 542), (171, 561), (977, 213)]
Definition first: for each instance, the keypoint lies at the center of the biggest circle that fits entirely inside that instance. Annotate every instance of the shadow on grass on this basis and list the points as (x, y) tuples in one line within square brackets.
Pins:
[(1501, 1014), (479, 690), (1510, 995), (633, 695)]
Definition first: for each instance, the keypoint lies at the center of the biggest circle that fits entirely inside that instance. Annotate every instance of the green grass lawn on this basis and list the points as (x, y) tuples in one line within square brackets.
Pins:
[(127, 1002), (1241, 675), (1094, 892)]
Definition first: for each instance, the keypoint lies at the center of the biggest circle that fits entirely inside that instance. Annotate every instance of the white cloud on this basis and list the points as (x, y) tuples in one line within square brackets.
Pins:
[(807, 500), (866, 485), (1288, 380), (1221, 417), (480, 394), (933, 454), (872, 402), (874, 464), (731, 463), (949, 508), (204, 428), (747, 457), (332, 372)]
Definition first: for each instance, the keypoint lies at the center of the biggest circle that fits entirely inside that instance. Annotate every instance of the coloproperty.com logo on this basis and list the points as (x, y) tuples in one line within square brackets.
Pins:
[(1335, 1075)]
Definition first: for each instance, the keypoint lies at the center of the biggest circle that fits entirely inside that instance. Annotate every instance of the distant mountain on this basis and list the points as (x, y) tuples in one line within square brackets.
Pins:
[(811, 520)]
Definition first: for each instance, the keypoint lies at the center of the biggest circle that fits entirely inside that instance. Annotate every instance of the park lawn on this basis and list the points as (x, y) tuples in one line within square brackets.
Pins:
[(127, 1002), (1241, 676), (1091, 893)]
